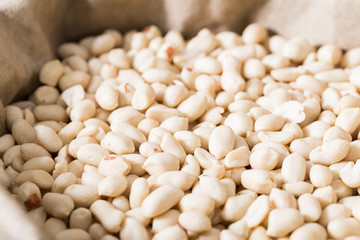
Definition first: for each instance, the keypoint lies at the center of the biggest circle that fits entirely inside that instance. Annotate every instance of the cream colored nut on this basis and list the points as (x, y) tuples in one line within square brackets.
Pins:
[(76, 63), (73, 234), (161, 162), (115, 164), (129, 130), (291, 110), (53, 226), (337, 133), (330, 152), (310, 83), (258, 180), (188, 140), (63, 181), (316, 129), (179, 179), (80, 218), (91, 177), (143, 97), (161, 200), (241, 105), (23, 132), (232, 81), (41, 178), (221, 141), (137, 214), (282, 221), (257, 211), (112, 186), (330, 98), (351, 58), (254, 68), (103, 43), (341, 189), (117, 143), (239, 122), (107, 97), (235, 207), (195, 221), (282, 199), (50, 112), (309, 207), (139, 191), (207, 65), (38, 216), (29, 194), (174, 94), (154, 75), (269, 122), (133, 229), (254, 33), (329, 54), (148, 148), (91, 153), (161, 112), (83, 111), (6, 142), (51, 72), (213, 188), (79, 142), (121, 203), (296, 49), (70, 131), (289, 74), (126, 114), (264, 158), (336, 75), (97, 231), (157, 134), (226, 234), (110, 217), (169, 144), (298, 188), (282, 137), (275, 61), (43, 163), (347, 101), (193, 107), (325, 195), (57, 204), (73, 95), (205, 159), (311, 231), (46, 95), (82, 195), (320, 176), (74, 78), (349, 174), (172, 232), (191, 166), (354, 151), (168, 219), (118, 58), (146, 125), (67, 49), (348, 119), (229, 39), (203, 42), (197, 202), (304, 146), (344, 227), (237, 158)]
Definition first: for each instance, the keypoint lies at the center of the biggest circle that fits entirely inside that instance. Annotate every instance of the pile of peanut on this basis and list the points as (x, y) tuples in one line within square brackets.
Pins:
[(223, 136)]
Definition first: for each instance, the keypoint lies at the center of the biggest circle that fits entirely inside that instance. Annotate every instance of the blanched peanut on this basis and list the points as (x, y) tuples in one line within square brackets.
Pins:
[(169, 144), (309, 207), (112, 186), (168, 219), (29, 194), (264, 158), (348, 119), (161, 200), (118, 143), (51, 72), (161, 112), (188, 140), (6, 142), (41, 178), (97, 231), (107, 97), (57, 204), (325, 195), (172, 232), (179, 179), (235, 207), (213, 188), (304, 146), (298, 188), (344, 227), (330, 152), (80, 218), (197, 202), (195, 221), (44, 163), (193, 107), (139, 191), (108, 215), (332, 212), (349, 174), (239, 122), (23, 132), (161, 162), (269, 123), (221, 141), (121, 203), (73, 234), (53, 226), (91, 153), (283, 221), (174, 124), (143, 97), (84, 110), (320, 176), (311, 231), (258, 180), (253, 68), (237, 158), (82, 195), (282, 199), (133, 229)]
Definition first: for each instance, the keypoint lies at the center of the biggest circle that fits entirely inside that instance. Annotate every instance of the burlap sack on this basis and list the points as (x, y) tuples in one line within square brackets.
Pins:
[(30, 31)]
